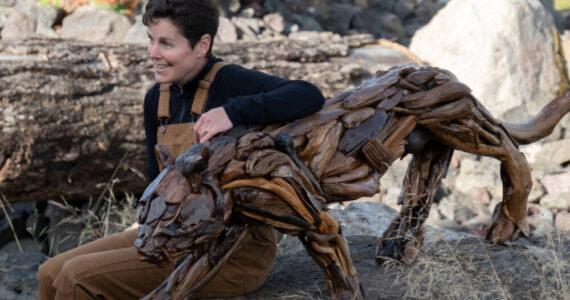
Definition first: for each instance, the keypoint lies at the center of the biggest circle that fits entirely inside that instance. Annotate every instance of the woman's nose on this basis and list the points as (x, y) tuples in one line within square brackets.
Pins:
[(153, 51)]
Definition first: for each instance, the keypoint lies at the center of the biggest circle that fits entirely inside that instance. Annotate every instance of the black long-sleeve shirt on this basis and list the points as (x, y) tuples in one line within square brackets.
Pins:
[(248, 96)]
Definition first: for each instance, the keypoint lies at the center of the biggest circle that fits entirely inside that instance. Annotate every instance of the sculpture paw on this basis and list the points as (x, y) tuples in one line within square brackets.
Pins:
[(504, 229)]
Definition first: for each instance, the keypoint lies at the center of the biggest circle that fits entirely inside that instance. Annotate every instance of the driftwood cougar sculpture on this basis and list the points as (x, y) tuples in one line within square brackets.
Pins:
[(195, 213)]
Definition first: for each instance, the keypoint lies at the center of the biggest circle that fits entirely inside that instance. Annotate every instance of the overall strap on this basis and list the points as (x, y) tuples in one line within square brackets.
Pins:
[(201, 96), (164, 101)]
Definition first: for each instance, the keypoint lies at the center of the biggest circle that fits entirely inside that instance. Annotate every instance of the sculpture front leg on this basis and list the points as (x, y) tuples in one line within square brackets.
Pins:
[(405, 234)]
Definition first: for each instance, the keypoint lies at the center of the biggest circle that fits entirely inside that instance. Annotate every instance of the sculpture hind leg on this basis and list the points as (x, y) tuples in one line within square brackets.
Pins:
[(466, 125), (404, 236)]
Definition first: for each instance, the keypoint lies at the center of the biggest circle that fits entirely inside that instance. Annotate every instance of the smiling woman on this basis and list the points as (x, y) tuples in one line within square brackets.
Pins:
[(196, 97)]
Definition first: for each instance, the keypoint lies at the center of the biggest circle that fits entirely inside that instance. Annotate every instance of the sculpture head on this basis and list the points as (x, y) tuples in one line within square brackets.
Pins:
[(181, 209)]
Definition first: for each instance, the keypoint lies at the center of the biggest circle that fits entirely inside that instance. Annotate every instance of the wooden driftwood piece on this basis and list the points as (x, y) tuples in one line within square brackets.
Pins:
[(283, 175)]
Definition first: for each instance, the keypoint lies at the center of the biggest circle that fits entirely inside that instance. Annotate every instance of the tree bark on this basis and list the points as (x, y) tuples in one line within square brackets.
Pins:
[(72, 110)]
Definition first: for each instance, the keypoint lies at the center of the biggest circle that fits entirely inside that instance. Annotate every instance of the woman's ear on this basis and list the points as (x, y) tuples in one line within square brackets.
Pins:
[(204, 45)]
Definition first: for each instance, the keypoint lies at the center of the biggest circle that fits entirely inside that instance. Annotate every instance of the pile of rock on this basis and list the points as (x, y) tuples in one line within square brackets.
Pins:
[(240, 20)]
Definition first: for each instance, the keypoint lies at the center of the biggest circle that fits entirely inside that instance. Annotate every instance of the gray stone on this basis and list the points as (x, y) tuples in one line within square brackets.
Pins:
[(540, 220), (227, 32), (341, 18), (248, 28), (412, 27), (7, 3), (18, 274), (45, 15), (426, 9), (277, 6), (306, 22), (560, 21), (562, 221), (228, 8), (88, 23), (387, 5), (502, 49), (137, 34), (556, 202), (554, 152), (404, 8), (274, 21), (18, 26), (479, 174)]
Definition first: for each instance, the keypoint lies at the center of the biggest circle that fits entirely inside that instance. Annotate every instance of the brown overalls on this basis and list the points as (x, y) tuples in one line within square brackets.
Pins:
[(109, 268)]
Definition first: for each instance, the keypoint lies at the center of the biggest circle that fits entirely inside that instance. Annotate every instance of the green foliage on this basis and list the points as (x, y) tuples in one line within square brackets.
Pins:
[(561, 4), (120, 8)]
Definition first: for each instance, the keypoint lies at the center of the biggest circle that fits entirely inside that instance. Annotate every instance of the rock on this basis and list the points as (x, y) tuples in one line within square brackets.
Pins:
[(559, 19), (306, 22), (387, 5), (227, 32), (562, 221), (479, 174), (137, 34), (412, 27), (341, 18), (248, 28), (95, 25), (393, 25), (504, 50), (559, 201), (556, 183), (275, 22), (277, 6), (383, 24), (554, 153), (18, 26), (493, 271), (7, 3), (228, 8), (540, 219), (46, 15), (18, 275), (404, 8)]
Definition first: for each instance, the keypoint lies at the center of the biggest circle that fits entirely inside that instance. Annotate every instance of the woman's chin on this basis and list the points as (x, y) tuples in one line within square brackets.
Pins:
[(160, 78)]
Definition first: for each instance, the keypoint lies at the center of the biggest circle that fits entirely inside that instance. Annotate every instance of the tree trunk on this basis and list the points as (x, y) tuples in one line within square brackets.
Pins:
[(72, 110)]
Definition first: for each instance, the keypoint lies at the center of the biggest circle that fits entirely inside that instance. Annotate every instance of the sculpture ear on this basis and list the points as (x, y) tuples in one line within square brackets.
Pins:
[(194, 160), (163, 156)]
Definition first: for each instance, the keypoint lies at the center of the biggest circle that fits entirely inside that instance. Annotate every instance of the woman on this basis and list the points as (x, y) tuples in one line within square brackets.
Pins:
[(181, 34)]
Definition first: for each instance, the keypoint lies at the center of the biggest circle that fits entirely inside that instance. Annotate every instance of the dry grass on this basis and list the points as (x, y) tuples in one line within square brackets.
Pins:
[(473, 269)]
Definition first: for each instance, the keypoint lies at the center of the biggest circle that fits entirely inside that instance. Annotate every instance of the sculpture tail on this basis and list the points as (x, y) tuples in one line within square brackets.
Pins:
[(542, 124)]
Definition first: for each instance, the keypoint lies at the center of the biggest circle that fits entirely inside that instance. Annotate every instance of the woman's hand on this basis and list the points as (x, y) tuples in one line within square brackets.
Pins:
[(211, 123)]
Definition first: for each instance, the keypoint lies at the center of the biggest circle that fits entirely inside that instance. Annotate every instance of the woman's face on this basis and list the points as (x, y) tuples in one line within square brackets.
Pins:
[(173, 58)]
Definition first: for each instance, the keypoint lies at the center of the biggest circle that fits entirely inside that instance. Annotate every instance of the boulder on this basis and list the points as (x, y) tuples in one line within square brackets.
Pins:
[(275, 22), (18, 26), (227, 32), (556, 202), (341, 19), (504, 50), (306, 22), (562, 221), (554, 152), (93, 24), (137, 34), (7, 3), (556, 183), (540, 220), (18, 275)]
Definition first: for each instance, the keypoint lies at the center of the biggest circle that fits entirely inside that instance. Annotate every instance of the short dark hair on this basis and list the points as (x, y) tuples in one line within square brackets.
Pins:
[(194, 18)]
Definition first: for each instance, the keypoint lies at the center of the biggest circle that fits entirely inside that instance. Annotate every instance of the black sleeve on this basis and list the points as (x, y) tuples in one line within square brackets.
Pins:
[(255, 97), (150, 129)]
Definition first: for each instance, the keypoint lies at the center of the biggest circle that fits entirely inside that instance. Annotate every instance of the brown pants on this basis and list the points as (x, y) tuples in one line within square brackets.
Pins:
[(108, 268)]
